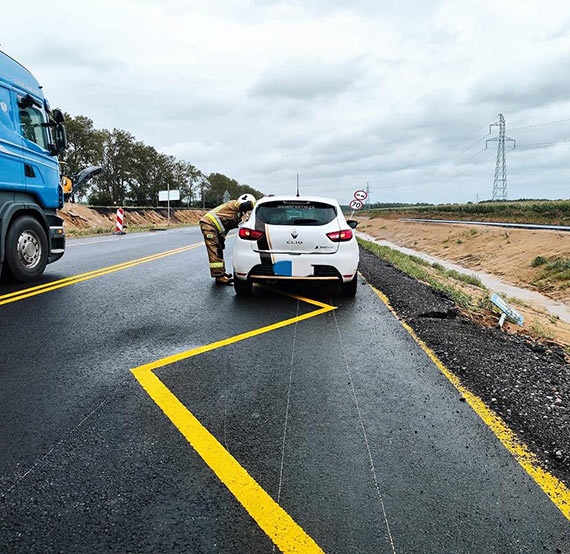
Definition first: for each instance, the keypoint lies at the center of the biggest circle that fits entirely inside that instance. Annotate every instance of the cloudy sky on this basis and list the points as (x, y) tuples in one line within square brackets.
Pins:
[(394, 92)]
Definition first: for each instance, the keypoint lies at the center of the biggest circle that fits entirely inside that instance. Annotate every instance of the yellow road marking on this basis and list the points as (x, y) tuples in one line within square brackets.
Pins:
[(279, 526), (555, 489), (53, 285)]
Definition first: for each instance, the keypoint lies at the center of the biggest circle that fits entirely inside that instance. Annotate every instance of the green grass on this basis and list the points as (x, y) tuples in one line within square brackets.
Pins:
[(554, 271), (463, 277), (542, 330), (415, 267)]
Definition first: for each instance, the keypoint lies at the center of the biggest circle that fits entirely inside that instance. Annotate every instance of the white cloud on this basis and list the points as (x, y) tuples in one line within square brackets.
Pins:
[(341, 92)]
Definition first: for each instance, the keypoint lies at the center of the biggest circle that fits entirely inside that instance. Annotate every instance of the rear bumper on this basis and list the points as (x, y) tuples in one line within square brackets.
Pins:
[(338, 267)]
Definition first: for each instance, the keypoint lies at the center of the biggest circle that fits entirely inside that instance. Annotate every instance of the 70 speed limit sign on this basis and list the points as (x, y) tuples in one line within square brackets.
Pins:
[(356, 204)]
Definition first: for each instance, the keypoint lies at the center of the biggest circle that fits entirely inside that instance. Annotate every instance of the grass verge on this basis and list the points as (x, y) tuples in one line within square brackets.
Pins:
[(418, 269)]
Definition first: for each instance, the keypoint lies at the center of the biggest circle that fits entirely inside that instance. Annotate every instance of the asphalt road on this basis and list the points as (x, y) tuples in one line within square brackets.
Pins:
[(341, 418)]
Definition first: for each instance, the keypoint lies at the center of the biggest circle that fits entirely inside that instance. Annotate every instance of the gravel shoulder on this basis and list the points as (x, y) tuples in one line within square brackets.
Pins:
[(526, 383)]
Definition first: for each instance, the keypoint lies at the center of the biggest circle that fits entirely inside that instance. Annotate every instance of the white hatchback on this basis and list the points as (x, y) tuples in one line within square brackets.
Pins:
[(289, 238)]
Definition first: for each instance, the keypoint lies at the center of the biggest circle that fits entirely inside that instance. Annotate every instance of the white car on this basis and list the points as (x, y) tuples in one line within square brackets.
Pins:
[(289, 238)]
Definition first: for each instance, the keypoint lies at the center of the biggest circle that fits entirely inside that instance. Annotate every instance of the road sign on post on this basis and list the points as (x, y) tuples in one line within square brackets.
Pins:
[(356, 205), (507, 310), (167, 196), (361, 195), (226, 197)]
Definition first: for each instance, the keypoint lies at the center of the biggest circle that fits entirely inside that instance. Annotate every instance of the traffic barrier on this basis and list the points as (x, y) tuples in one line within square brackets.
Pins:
[(119, 224)]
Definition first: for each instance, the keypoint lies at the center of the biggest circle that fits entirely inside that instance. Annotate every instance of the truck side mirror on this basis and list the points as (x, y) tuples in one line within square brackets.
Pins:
[(60, 138), (58, 116)]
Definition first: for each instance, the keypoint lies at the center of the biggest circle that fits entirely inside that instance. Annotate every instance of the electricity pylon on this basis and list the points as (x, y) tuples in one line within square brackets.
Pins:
[(500, 182)]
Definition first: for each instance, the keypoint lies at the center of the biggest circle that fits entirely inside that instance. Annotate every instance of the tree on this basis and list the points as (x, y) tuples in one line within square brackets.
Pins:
[(134, 172)]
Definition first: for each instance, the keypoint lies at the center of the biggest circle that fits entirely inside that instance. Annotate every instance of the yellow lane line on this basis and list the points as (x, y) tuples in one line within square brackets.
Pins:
[(555, 489), (53, 285), (279, 526), (45, 285)]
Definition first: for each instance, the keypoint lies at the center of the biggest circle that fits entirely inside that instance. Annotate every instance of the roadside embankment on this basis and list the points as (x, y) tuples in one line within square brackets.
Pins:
[(525, 382), (86, 220), (532, 260)]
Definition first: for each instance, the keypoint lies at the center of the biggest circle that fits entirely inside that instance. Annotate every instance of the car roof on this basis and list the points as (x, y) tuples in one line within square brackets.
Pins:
[(293, 198)]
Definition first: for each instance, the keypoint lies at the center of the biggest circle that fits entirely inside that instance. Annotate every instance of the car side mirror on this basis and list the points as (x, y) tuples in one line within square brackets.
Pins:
[(352, 223)]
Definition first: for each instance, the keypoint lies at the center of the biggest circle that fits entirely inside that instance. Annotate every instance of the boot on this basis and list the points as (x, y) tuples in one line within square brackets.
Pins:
[(224, 280)]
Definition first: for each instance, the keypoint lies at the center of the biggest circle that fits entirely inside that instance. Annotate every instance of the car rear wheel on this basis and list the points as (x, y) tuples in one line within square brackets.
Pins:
[(242, 288), (349, 288), (26, 249)]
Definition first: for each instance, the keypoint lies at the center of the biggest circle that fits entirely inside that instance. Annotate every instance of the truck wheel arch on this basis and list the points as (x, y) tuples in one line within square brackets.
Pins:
[(13, 211)]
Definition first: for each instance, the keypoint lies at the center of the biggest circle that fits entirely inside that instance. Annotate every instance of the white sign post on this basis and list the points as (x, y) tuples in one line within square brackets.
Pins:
[(167, 196), (358, 203), (508, 311)]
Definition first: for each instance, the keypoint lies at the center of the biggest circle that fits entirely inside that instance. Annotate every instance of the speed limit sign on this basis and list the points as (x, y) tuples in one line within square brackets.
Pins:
[(361, 195), (356, 204)]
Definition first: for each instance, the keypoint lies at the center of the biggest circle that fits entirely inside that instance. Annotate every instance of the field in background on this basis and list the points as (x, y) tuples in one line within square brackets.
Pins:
[(553, 212)]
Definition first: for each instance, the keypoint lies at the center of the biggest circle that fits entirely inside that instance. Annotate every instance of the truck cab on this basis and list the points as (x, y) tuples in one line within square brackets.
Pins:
[(31, 137)]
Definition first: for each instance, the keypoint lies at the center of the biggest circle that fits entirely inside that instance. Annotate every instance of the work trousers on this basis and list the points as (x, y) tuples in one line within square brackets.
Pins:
[(214, 247)]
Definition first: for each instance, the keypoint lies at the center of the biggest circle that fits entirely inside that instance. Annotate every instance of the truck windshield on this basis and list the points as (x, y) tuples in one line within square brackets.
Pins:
[(295, 213), (31, 119)]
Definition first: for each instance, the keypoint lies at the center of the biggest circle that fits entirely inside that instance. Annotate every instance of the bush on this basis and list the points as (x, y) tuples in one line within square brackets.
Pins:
[(539, 260)]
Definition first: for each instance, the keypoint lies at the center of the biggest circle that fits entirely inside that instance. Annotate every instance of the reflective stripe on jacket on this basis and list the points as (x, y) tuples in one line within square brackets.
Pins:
[(225, 217)]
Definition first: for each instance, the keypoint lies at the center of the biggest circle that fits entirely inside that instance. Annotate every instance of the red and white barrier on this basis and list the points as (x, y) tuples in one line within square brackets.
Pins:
[(119, 224)]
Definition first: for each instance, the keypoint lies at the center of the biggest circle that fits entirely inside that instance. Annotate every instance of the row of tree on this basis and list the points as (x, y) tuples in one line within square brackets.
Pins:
[(134, 172)]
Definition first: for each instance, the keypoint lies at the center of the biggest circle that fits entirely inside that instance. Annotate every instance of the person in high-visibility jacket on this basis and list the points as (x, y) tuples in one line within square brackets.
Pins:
[(215, 225)]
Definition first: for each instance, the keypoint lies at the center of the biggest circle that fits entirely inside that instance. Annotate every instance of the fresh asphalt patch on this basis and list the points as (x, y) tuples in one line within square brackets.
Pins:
[(524, 382)]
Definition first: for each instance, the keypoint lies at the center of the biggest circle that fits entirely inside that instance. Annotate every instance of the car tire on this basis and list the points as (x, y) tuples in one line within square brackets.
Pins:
[(349, 288), (26, 249), (242, 288)]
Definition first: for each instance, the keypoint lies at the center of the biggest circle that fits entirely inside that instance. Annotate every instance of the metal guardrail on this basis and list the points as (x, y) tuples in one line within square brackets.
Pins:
[(536, 226)]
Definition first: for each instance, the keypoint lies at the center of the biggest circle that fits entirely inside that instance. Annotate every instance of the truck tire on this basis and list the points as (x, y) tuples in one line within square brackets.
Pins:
[(349, 288), (242, 288), (26, 252)]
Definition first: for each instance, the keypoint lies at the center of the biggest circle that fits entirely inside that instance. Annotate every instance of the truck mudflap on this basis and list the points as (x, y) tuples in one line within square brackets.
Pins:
[(56, 243)]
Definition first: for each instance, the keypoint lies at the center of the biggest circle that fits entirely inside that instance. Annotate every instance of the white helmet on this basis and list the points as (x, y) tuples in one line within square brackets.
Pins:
[(247, 198)]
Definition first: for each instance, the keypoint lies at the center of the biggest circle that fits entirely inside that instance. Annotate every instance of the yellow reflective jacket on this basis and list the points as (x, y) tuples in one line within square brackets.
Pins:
[(225, 217)]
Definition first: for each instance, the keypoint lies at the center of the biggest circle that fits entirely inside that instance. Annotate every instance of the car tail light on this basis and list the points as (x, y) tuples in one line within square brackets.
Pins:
[(250, 234), (340, 236)]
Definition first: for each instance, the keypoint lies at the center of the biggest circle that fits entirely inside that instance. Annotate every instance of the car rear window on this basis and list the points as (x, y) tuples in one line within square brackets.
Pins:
[(295, 213)]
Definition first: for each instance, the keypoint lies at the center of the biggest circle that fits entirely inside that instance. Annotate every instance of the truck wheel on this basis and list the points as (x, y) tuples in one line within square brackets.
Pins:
[(242, 288), (26, 249), (349, 289)]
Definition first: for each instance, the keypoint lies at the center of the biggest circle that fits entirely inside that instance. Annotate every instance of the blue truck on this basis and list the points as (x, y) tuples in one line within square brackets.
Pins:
[(31, 137)]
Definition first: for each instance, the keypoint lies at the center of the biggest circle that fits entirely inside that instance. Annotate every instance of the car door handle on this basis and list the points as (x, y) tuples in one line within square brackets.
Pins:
[(29, 171)]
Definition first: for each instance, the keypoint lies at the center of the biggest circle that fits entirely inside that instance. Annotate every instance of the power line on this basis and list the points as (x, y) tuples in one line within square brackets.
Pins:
[(543, 144), (541, 124), (469, 147)]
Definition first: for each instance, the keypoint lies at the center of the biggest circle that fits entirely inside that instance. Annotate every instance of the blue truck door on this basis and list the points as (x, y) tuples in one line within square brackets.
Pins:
[(40, 169), (11, 162)]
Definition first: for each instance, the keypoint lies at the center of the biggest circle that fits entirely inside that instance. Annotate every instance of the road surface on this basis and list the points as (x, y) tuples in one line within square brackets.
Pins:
[(313, 428)]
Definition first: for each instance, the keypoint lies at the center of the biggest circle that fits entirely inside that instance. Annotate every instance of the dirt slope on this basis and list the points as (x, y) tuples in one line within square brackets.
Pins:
[(80, 218), (508, 253)]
